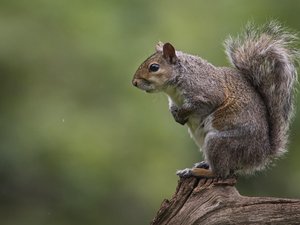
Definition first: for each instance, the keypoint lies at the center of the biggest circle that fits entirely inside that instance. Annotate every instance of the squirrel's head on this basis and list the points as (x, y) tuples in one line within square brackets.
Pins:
[(154, 73)]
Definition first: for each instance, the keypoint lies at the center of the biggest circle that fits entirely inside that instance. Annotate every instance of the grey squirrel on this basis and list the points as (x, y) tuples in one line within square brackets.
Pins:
[(239, 116)]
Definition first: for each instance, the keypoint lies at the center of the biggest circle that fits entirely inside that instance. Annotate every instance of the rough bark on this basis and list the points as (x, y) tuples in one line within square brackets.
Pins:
[(209, 201)]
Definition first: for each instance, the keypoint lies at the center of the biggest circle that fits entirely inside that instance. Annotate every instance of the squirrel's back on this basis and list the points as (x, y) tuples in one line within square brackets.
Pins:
[(266, 56)]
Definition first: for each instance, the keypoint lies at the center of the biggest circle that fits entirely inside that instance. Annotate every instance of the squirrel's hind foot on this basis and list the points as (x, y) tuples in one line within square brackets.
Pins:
[(195, 172), (207, 174), (199, 170)]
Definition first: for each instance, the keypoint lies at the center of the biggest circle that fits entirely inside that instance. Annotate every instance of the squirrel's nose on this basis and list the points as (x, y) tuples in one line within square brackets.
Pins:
[(134, 82)]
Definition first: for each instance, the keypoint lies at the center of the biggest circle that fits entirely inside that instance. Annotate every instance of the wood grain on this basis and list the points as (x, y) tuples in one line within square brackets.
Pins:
[(212, 201)]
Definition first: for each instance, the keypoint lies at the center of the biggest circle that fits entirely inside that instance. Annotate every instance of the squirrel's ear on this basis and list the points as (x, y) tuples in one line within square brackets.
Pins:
[(169, 53)]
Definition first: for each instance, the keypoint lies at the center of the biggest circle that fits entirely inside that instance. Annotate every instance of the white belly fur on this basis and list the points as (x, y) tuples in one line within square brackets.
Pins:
[(196, 130), (194, 123)]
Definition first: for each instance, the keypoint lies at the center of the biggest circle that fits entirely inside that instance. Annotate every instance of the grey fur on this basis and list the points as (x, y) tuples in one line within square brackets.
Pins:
[(267, 56), (239, 116)]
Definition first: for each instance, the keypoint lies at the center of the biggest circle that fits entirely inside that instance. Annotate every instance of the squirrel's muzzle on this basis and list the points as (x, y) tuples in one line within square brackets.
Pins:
[(135, 82)]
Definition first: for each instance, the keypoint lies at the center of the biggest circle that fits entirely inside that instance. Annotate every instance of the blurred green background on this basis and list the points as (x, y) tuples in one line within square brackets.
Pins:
[(78, 143)]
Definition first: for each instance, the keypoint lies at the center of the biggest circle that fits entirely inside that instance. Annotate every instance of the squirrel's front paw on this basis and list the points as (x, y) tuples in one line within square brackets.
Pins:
[(179, 118)]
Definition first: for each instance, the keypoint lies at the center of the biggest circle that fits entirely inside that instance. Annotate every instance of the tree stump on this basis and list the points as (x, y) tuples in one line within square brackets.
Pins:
[(210, 201)]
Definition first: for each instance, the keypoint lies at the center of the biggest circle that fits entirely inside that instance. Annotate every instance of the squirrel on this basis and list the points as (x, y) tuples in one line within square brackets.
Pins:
[(239, 116)]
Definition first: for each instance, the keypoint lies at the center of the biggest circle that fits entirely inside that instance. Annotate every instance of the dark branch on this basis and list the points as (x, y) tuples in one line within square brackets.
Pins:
[(210, 201)]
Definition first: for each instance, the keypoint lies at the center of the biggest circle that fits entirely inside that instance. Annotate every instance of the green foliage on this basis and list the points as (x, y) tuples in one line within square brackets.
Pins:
[(79, 144)]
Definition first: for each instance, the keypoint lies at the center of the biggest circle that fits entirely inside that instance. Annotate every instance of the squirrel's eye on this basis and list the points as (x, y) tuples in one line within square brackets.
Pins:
[(154, 67)]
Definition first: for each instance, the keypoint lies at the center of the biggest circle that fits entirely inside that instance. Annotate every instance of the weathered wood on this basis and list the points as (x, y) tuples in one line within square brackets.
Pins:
[(209, 201)]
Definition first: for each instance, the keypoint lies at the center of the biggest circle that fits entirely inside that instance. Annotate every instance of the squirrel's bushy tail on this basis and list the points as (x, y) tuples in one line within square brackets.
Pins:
[(267, 56)]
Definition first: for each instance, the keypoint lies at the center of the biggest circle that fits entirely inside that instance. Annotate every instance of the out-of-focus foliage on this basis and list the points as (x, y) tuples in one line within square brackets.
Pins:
[(78, 143)]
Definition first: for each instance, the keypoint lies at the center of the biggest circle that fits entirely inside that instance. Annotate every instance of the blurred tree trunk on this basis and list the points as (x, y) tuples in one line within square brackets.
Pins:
[(209, 201)]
